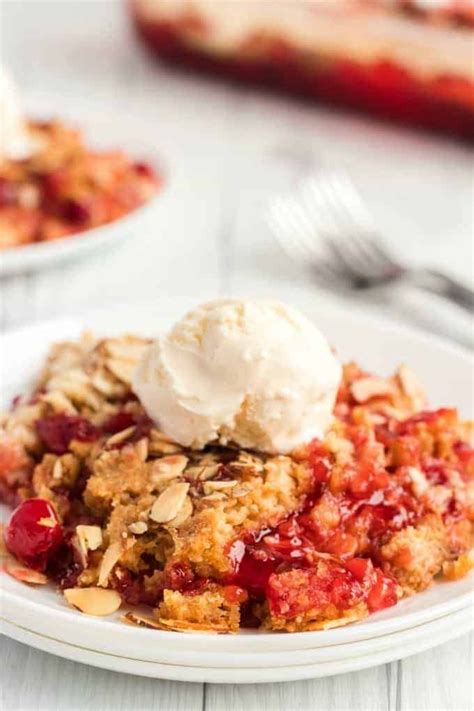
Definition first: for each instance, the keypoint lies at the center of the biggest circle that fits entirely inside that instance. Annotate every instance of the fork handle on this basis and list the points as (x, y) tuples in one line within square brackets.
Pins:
[(444, 285)]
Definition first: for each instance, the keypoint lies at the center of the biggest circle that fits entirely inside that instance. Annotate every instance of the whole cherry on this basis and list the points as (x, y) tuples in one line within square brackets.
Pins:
[(34, 533)]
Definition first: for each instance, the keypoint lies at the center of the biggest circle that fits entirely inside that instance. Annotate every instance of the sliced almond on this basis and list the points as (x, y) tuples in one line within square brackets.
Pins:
[(128, 348), (93, 601), (411, 385), (203, 472), (79, 550), (169, 467), (240, 491), (168, 504), (25, 575), (104, 385), (89, 538), (141, 621), (210, 487), (185, 626), (248, 461), (120, 436), (162, 479), (141, 449), (48, 522), (57, 470), (159, 436), (217, 496), (122, 369), (161, 444), (108, 562), (138, 527), (390, 411), (183, 514), (367, 388), (59, 402)]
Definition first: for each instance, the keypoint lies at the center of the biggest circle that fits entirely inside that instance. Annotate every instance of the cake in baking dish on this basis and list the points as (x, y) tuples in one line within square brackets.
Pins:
[(403, 60)]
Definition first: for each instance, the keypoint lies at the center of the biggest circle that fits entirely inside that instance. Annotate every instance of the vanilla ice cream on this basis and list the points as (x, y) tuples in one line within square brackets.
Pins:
[(256, 373), (16, 143)]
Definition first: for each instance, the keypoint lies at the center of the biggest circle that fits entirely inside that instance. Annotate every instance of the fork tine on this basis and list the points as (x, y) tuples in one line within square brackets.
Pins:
[(327, 223), (299, 227), (288, 229), (355, 235), (295, 233), (323, 202), (345, 192)]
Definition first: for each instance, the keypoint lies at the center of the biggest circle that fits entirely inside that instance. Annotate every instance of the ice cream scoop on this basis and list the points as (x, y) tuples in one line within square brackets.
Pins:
[(256, 373)]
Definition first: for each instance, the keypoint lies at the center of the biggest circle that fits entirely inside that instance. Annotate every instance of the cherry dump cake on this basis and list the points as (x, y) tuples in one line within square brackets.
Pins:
[(405, 60), (53, 185), (220, 537)]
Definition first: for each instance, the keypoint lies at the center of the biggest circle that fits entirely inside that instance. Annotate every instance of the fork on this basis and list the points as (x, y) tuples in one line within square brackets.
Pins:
[(325, 224)]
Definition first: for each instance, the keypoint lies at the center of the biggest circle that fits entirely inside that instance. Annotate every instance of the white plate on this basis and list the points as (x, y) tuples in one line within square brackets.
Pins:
[(42, 610), (110, 636), (99, 131), (446, 371), (397, 647)]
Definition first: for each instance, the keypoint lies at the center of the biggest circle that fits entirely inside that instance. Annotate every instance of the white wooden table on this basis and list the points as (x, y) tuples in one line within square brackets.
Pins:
[(224, 148)]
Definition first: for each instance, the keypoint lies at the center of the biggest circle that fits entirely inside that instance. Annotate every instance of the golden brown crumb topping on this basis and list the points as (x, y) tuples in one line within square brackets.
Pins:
[(223, 537)]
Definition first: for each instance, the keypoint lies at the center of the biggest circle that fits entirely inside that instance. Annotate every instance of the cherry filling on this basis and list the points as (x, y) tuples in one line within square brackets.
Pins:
[(76, 212), (34, 533), (295, 578), (58, 431), (312, 559), (123, 419), (384, 88), (328, 585), (320, 560)]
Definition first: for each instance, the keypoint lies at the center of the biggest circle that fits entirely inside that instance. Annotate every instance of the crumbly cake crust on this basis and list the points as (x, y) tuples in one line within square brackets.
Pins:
[(64, 187), (223, 537)]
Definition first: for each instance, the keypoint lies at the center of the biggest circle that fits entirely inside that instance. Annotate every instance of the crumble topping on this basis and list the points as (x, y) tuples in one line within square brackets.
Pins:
[(64, 187), (223, 537)]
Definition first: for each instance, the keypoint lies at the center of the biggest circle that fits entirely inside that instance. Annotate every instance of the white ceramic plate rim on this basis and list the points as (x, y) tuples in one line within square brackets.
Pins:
[(430, 637), (42, 254), (188, 656), (457, 594)]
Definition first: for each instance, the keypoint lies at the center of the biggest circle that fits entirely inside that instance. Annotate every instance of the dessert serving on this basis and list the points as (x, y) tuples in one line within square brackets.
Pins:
[(406, 60), (53, 185), (232, 474)]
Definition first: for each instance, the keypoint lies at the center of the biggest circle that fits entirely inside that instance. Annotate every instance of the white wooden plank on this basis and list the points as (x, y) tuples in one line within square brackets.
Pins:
[(363, 691), (35, 681), (439, 680)]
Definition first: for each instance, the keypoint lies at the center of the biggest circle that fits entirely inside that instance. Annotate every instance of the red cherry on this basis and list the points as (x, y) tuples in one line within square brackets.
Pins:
[(57, 431), (145, 170), (359, 567), (33, 533), (383, 593), (76, 212)]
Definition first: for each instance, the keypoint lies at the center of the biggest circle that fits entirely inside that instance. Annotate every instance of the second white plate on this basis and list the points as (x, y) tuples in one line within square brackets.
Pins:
[(99, 131)]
